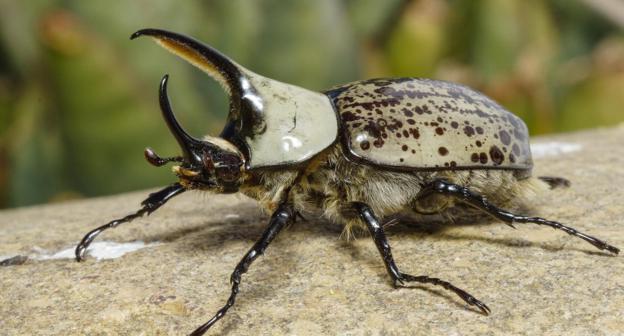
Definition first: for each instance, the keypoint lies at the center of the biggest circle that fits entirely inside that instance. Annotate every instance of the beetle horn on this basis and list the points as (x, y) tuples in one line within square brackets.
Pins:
[(215, 64), (186, 142)]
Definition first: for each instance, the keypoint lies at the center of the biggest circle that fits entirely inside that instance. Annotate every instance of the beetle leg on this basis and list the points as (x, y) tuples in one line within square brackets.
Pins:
[(149, 205), (377, 232), (282, 216), (555, 182), (480, 202)]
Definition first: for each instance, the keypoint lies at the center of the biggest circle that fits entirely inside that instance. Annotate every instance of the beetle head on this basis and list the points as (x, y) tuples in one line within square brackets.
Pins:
[(208, 164)]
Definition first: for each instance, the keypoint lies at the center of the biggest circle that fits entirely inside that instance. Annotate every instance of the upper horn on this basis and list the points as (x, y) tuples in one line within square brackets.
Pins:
[(230, 75), (221, 68)]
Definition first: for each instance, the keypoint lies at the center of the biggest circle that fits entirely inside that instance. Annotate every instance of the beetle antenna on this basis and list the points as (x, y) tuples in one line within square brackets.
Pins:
[(158, 161)]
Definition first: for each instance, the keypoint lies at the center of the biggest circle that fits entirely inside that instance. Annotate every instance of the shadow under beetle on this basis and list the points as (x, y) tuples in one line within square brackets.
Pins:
[(358, 152)]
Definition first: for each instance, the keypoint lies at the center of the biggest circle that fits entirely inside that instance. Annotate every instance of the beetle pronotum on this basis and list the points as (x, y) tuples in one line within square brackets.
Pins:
[(358, 152)]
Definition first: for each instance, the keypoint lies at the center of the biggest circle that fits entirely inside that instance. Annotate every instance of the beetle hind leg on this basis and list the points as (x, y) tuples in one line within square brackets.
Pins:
[(478, 201), (376, 230), (555, 182)]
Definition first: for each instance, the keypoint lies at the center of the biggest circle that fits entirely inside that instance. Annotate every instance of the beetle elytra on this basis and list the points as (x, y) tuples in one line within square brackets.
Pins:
[(358, 153)]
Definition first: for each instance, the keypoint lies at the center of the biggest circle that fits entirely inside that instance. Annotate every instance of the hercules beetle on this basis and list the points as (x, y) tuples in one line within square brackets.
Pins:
[(358, 152)]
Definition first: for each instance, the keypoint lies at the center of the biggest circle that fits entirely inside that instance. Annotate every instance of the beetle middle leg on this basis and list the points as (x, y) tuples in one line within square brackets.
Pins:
[(468, 196), (376, 230), (282, 216)]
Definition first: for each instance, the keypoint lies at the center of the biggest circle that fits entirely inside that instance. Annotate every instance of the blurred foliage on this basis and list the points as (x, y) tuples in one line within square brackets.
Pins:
[(78, 99)]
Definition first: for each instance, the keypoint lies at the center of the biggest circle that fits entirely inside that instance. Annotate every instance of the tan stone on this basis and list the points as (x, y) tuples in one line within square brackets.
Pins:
[(536, 281)]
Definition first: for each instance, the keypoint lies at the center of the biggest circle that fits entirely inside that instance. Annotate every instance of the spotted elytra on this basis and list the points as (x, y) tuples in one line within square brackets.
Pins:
[(356, 153)]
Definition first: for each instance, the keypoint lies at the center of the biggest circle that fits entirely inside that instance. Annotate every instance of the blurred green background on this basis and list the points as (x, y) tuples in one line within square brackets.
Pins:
[(78, 99)]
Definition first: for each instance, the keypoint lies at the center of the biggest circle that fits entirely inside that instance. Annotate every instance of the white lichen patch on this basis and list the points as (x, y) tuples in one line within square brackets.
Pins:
[(99, 250), (554, 148)]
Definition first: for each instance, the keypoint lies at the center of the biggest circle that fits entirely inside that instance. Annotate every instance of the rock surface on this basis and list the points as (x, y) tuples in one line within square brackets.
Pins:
[(536, 280)]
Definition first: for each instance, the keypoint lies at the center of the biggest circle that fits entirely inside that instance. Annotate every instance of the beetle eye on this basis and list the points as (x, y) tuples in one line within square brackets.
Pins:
[(227, 174), (207, 161), (227, 168)]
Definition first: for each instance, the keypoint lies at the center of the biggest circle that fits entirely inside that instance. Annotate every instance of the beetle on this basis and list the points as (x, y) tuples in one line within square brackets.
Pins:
[(359, 152)]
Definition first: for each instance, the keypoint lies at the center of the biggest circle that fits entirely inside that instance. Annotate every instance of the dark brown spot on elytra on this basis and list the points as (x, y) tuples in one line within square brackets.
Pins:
[(504, 137), (512, 158), (404, 148), (496, 155), (515, 149), (478, 143), (454, 124), (443, 151), (469, 131), (439, 131), (349, 116), (474, 157), (483, 158), (479, 130), (365, 145), (372, 129)]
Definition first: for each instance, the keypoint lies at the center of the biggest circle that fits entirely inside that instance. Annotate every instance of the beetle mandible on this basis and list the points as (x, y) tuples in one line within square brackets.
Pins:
[(358, 152)]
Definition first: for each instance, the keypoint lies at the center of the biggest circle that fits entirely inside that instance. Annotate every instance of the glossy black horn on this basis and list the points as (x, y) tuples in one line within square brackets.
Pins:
[(186, 142), (197, 53)]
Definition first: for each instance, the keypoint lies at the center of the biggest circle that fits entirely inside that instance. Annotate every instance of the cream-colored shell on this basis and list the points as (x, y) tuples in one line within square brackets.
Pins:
[(296, 123), (292, 124), (413, 123), (405, 123)]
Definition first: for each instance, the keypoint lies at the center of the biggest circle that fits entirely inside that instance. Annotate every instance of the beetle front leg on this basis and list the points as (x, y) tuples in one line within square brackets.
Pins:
[(468, 196), (282, 216), (377, 232), (153, 202)]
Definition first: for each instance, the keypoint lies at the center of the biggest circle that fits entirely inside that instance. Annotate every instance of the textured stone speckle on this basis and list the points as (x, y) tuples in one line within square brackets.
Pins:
[(537, 281)]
